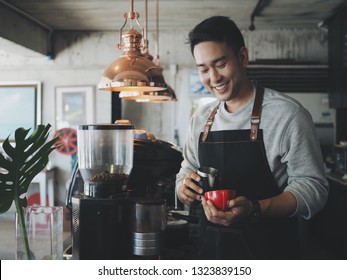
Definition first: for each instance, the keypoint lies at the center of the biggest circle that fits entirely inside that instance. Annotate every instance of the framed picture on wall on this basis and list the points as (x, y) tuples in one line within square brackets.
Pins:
[(20, 106), (75, 105)]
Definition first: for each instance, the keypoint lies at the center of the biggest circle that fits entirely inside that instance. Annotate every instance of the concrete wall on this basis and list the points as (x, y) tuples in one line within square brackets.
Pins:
[(80, 57)]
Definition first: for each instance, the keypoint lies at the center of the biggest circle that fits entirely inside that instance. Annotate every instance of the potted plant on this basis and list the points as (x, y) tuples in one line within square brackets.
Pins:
[(19, 164)]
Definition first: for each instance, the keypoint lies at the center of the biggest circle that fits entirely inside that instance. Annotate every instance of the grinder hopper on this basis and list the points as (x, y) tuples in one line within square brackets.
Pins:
[(105, 157)]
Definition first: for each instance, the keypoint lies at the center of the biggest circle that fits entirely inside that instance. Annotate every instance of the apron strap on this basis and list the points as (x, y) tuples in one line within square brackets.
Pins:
[(209, 123), (256, 112), (255, 120)]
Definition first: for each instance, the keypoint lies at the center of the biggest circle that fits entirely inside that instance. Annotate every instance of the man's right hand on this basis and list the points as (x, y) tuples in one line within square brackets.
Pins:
[(189, 191)]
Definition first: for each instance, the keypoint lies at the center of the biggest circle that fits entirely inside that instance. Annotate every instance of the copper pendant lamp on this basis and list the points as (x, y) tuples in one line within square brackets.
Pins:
[(152, 96), (132, 71)]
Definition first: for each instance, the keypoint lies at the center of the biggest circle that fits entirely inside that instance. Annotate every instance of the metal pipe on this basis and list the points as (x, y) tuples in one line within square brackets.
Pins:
[(131, 6), (156, 61), (42, 24), (131, 14), (261, 5), (145, 39), (27, 15)]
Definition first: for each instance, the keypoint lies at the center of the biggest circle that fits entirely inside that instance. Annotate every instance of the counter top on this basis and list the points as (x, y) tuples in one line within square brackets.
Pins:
[(337, 178)]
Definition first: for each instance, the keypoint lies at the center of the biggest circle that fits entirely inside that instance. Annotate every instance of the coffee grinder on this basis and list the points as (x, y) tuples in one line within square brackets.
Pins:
[(100, 218)]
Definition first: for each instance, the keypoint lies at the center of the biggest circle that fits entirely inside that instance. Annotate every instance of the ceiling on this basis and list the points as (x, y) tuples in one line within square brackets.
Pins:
[(175, 14)]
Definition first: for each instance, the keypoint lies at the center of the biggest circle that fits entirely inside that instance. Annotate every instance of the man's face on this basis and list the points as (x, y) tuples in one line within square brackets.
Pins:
[(220, 70)]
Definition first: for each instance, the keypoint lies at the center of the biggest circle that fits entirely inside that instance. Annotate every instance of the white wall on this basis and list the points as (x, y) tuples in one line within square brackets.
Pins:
[(318, 106), (80, 58)]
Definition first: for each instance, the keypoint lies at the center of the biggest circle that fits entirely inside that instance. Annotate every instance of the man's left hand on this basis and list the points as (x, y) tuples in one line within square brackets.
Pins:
[(238, 209)]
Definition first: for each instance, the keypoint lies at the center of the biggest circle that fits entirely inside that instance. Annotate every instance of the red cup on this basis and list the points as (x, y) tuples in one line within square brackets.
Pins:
[(220, 198)]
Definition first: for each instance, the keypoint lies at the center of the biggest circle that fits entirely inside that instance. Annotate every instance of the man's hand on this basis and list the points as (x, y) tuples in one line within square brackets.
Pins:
[(282, 205), (189, 191), (238, 208)]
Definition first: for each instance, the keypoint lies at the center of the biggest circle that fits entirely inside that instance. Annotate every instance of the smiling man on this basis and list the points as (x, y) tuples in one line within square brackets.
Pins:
[(264, 146)]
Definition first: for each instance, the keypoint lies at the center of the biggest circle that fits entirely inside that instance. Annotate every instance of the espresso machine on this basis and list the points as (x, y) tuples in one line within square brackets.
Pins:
[(100, 214), (119, 193)]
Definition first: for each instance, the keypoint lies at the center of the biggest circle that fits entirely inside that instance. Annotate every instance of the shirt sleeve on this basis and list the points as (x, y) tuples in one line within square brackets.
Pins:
[(301, 153), (190, 153)]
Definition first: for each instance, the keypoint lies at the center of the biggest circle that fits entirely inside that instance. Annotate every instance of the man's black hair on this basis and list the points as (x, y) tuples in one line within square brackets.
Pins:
[(217, 29)]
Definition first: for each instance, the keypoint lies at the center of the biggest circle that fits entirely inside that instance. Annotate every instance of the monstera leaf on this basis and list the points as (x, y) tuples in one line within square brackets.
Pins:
[(19, 165), (22, 162)]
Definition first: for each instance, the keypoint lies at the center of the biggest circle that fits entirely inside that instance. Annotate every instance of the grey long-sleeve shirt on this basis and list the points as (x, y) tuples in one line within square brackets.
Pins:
[(291, 145)]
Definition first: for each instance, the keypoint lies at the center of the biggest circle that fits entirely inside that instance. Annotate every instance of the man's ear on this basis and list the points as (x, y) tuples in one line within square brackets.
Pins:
[(243, 56)]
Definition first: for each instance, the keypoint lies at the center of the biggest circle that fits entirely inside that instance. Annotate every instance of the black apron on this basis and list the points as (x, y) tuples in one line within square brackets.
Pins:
[(240, 157)]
